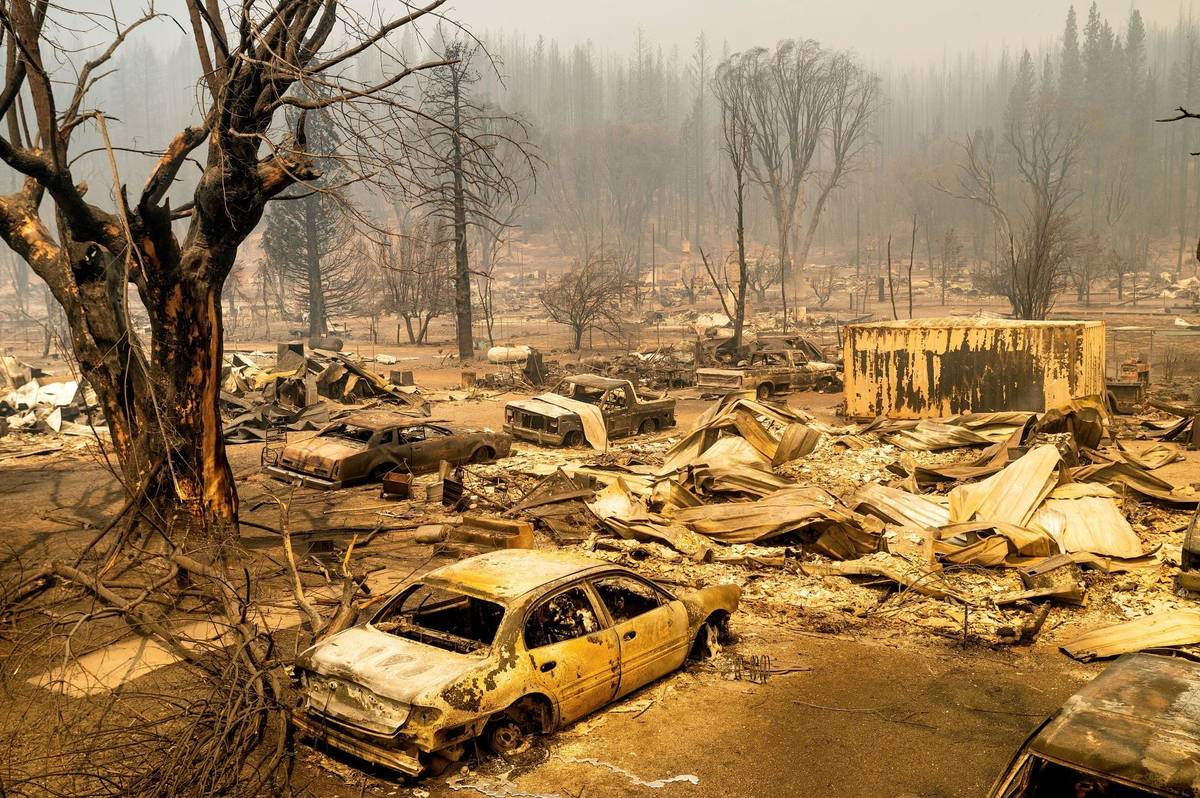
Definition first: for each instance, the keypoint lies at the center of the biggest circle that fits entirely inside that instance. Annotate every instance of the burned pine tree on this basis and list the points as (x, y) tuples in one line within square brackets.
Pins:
[(310, 240)]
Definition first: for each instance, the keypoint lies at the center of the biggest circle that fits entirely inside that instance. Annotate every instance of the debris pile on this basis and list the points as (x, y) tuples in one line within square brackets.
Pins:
[(981, 523), (652, 367), (36, 402), (518, 367), (302, 391)]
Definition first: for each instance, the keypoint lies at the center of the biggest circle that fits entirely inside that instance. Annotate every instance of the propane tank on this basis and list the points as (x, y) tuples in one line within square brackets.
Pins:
[(508, 354)]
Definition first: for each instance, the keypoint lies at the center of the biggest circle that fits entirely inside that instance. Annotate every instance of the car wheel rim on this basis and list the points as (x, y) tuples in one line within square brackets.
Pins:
[(507, 738)]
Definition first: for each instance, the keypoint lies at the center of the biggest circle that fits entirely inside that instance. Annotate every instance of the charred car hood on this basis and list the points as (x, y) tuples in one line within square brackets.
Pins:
[(320, 453), (541, 408), (723, 372), (387, 665)]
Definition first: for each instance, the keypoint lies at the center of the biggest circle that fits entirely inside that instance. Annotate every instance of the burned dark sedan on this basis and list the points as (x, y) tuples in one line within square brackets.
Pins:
[(1133, 732), (364, 446)]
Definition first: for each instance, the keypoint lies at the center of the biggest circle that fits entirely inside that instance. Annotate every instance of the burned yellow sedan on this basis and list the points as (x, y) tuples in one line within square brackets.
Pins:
[(498, 647)]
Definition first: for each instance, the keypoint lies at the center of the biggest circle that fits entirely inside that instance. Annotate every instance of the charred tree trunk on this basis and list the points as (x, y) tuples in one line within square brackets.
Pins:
[(462, 268), (783, 272), (318, 323), (162, 410), (739, 321)]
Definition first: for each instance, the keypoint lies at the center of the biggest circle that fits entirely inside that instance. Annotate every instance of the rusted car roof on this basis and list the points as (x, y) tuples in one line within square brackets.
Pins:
[(382, 419), (594, 381), (1138, 721), (509, 573)]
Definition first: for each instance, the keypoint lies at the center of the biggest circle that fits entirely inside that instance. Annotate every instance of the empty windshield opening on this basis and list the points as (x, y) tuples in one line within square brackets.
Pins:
[(356, 434), (580, 393), (1051, 780), (442, 618)]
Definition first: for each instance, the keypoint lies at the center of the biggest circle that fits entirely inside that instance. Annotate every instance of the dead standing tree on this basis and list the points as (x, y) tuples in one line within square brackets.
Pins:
[(474, 159), (854, 99), (416, 268), (161, 405), (498, 208), (788, 97), (729, 87), (804, 104), (587, 297), (160, 397), (1034, 214)]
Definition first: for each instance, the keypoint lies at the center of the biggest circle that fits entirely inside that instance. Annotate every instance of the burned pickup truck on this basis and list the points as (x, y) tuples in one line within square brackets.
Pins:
[(587, 408), (365, 446), (766, 372)]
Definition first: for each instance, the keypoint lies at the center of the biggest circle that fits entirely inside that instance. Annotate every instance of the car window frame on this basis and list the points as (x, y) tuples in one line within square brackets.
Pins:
[(616, 397), (655, 586), (665, 597), (598, 608), (403, 593), (405, 431)]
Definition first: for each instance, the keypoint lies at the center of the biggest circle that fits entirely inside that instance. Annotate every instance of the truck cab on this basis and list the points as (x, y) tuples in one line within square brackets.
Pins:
[(612, 407), (766, 372)]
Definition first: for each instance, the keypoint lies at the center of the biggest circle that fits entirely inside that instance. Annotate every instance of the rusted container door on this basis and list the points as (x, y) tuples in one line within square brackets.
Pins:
[(933, 368)]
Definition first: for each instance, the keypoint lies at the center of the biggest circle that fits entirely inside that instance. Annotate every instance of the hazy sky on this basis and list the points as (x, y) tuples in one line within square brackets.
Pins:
[(904, 31)]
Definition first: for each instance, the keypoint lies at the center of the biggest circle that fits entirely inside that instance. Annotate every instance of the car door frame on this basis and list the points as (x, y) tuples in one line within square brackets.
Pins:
[(619, 424), (439, 446), (605, 679), (392, 452), (655, 661)]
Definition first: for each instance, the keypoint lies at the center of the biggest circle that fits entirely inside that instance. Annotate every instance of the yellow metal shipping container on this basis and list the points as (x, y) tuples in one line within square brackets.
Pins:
[(933, 368)]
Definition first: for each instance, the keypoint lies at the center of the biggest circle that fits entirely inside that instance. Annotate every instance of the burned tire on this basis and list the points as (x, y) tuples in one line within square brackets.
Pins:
[(764, 392), (483, 454), (510, 732), (381, 470), (505, 737), (573, 439), (825, 385), (648, 427)]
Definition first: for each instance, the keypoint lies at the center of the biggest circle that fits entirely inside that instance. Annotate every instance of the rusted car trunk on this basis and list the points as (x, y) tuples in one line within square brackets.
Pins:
[(933, 368)]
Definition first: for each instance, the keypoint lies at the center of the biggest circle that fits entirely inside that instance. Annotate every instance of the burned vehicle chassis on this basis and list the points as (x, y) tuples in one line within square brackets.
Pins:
[(407, 695)]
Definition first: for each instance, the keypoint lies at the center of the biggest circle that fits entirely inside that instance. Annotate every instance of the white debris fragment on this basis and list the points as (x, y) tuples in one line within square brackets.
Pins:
[(656, 784)]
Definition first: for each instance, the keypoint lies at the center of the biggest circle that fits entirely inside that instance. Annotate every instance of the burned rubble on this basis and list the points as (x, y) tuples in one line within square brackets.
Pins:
[(415, 402), (304, 389)]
